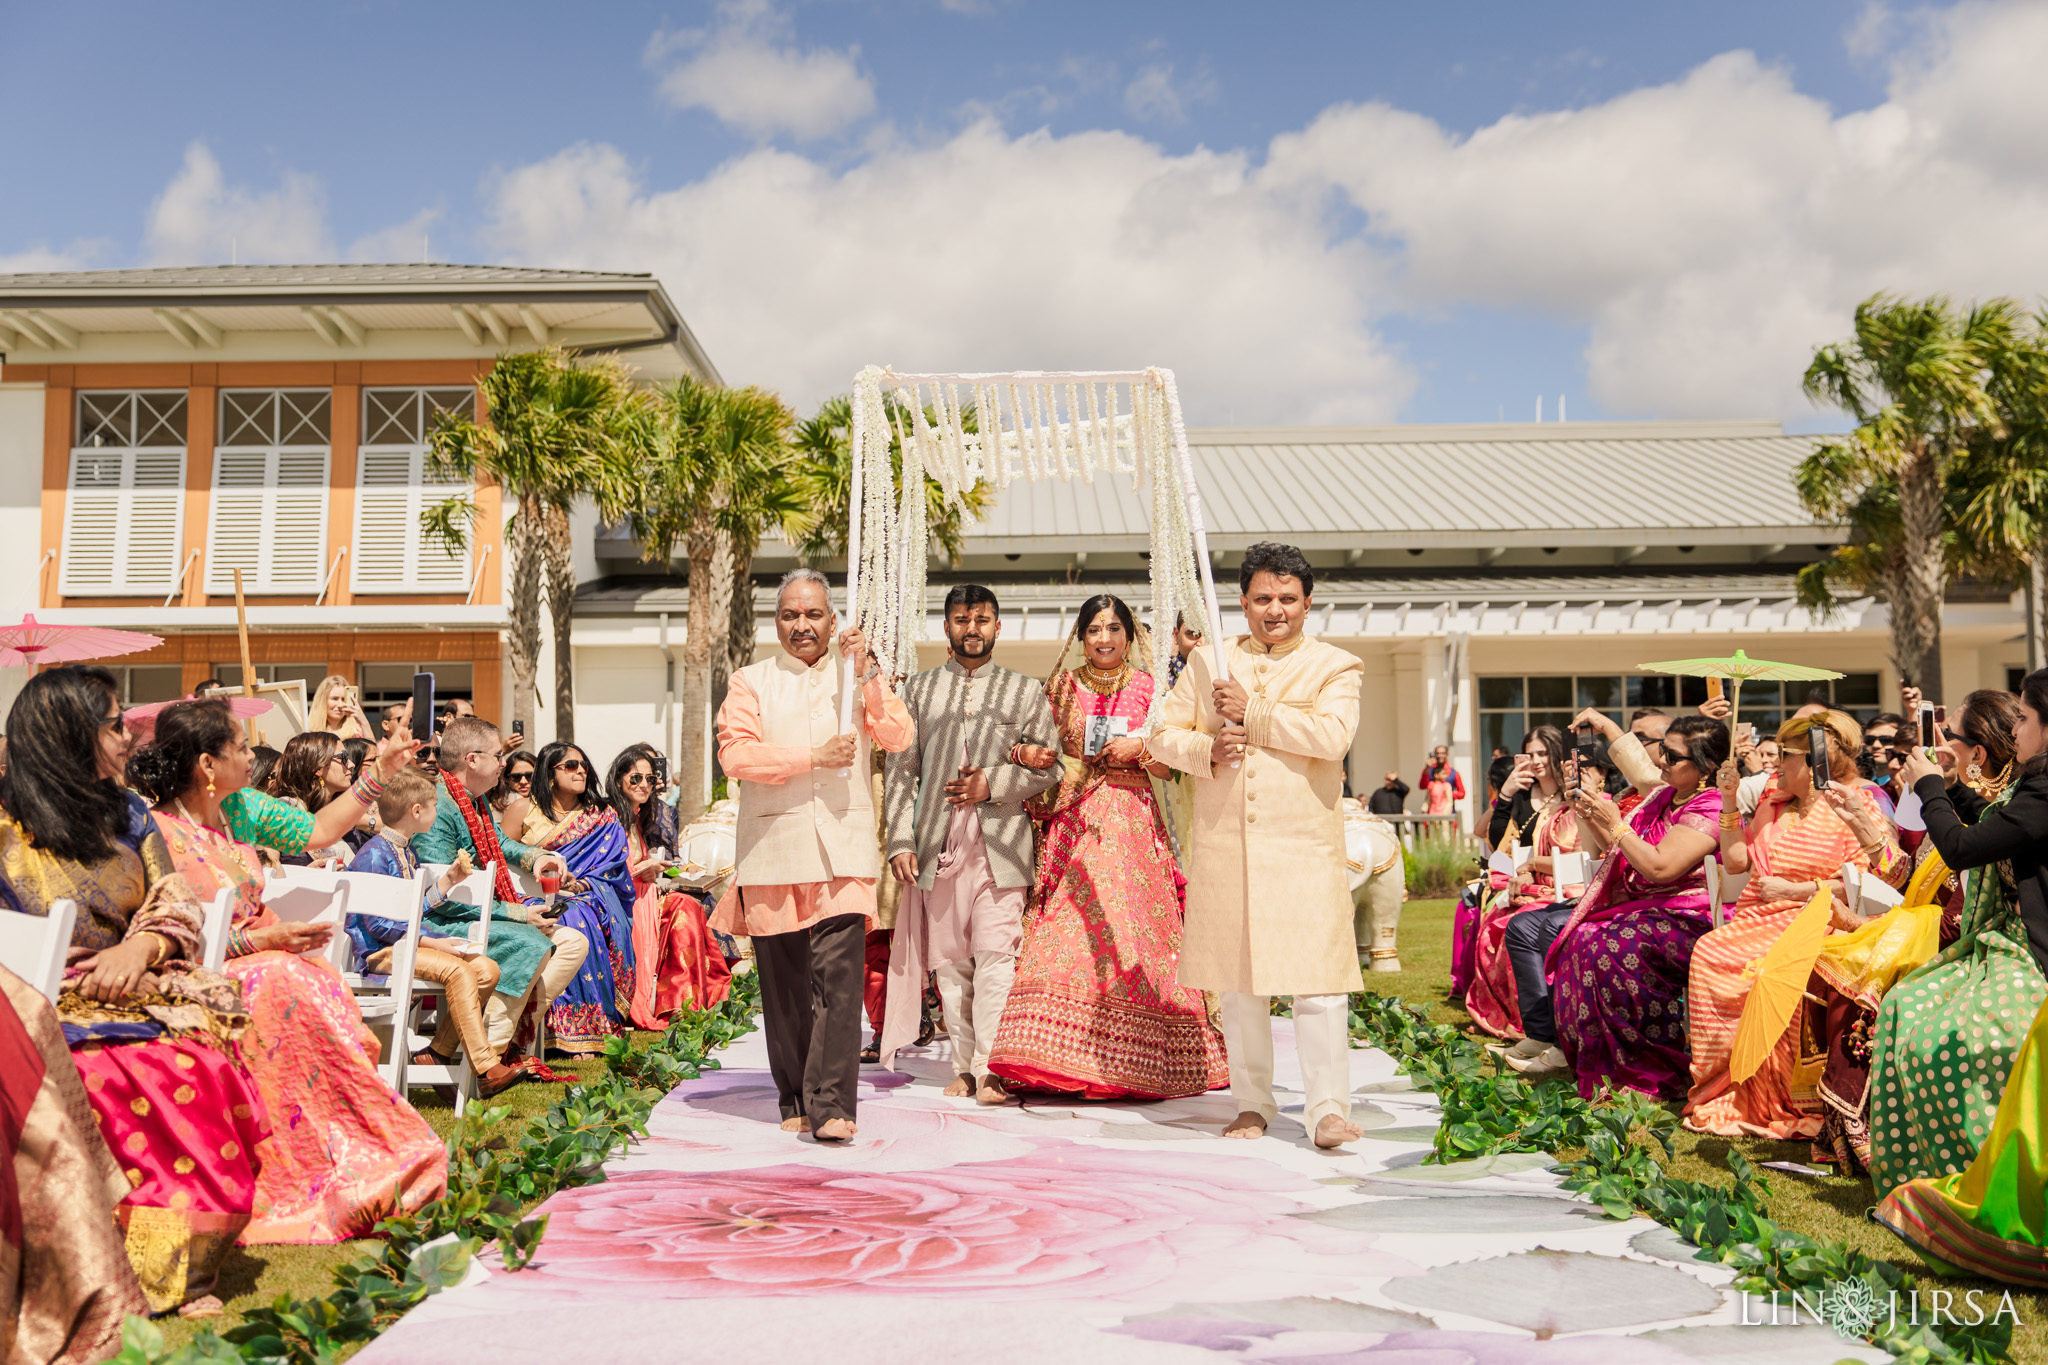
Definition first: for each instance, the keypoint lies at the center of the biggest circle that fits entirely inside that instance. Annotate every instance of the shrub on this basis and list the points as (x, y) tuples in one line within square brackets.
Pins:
[(1438, 868)]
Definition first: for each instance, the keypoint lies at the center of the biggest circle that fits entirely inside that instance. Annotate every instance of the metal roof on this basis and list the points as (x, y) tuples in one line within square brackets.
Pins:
[(1506, 484), (302, 277)]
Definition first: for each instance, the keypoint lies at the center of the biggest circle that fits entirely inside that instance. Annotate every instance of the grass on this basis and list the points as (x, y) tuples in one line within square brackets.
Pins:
[(1834, 1207), (1437, 863), (253, 1276)]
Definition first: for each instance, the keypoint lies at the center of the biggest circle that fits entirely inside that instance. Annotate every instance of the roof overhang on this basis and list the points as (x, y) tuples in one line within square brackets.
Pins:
[(168, 620)]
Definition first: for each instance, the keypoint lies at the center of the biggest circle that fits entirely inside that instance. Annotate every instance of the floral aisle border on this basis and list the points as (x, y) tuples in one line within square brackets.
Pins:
[(1021, 427), (1619, 1132), (493, 1174)]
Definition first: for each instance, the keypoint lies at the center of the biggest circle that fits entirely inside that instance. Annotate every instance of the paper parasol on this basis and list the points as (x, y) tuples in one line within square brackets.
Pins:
[(141, 720), (32, 643), (1779, 987), (1739, 668)]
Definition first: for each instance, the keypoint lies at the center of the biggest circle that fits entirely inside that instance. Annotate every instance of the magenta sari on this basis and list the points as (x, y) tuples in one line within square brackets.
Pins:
[(1618, 969)]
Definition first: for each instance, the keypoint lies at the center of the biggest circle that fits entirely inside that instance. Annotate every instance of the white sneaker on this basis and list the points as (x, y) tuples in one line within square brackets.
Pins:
[(1545, 1064)]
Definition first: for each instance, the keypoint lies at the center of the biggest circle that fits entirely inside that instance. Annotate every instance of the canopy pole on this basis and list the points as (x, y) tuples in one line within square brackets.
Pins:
[(853, 551), (248, 669)]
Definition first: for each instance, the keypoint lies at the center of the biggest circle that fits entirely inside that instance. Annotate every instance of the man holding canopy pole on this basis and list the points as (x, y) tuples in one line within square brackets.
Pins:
[(1269, 901)]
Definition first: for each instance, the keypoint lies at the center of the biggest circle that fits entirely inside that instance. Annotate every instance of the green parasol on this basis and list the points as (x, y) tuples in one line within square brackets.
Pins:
[(1738, 669)]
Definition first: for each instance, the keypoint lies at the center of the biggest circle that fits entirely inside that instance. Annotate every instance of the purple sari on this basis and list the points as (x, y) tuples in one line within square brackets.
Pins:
[(1618, 970)]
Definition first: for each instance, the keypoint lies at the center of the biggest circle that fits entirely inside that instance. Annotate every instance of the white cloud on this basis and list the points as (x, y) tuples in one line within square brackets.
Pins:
[(1091, 251), (200, 219), (1155, 96), (408, 241), (38, 259), (742, 73)]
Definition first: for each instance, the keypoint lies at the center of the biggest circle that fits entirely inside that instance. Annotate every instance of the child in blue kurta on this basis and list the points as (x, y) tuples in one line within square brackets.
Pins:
[(465, 975)]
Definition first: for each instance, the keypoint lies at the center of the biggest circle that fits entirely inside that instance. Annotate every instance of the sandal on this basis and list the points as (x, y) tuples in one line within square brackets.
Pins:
[(871, 1053)]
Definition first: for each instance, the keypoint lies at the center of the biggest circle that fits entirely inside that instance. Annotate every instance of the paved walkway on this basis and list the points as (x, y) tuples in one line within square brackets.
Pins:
[(1082, 1233)]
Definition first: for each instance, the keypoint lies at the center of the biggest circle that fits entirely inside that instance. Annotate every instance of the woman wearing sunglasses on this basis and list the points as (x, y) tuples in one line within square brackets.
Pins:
[(678, 961), (512, 798), (569, 816)]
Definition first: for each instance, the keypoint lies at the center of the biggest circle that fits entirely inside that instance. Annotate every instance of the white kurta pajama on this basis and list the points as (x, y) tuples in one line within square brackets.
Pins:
[(1269, 897)]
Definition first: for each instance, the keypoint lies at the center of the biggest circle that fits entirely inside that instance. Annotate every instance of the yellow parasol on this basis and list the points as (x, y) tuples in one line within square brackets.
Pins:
[(1739, 668), (1779, 987)]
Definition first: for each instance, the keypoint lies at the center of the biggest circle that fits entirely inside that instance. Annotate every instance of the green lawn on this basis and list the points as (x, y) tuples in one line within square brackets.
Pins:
[(1829, 1206)]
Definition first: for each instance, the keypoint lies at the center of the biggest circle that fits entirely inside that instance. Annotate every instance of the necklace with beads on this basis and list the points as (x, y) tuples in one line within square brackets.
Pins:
[(1106, 681), (226, 844)]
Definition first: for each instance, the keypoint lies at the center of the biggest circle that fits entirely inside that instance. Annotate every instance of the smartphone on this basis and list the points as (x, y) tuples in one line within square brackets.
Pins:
[(1713, 689), (660, 773), (423, 707), (1817, 756), (1927, 729)]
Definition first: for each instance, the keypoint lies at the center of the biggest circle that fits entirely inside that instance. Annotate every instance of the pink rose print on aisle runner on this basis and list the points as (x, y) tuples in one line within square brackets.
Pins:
[(1066, 1221)]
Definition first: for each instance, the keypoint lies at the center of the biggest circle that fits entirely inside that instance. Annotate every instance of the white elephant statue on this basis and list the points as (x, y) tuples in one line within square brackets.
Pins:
[(1379, 879)]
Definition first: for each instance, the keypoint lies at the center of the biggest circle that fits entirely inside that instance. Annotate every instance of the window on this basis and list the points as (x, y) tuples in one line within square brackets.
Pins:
[(124, 501), (141, 684), (269, 514), (392, 552), (1510, 707)]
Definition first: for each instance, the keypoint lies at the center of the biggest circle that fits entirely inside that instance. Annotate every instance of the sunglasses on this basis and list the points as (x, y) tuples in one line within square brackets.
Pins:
[(116, 722), (571, 765), (1673, 757), (526, 776), (637, 780)]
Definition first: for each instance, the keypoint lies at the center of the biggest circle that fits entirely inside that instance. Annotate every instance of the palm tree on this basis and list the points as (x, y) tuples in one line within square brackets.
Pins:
[(1998, 488), (550, 431), (1914, 376), (824, 447), (719, 479)]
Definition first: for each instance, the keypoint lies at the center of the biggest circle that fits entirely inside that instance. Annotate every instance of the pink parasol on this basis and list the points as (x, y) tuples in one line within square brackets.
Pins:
[(141, 720), (33, 643)]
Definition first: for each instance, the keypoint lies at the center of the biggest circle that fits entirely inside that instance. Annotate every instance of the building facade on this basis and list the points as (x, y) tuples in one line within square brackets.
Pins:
[(1491, 578), (161, 429)]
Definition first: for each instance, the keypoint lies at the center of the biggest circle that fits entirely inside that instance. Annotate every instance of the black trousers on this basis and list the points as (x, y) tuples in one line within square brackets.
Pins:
[(811, 1005), (1529, 936)]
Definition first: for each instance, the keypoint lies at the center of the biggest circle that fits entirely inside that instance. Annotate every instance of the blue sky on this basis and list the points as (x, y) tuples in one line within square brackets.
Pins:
[(1384, 273)]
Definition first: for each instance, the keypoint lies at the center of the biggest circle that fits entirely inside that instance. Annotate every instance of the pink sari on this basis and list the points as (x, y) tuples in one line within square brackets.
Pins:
[(1097, 1008), (679, 961), (344, 1152), (1490, 998)]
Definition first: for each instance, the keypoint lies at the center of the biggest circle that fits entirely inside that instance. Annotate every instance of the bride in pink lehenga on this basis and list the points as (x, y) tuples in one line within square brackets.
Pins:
[(1097, 1009)]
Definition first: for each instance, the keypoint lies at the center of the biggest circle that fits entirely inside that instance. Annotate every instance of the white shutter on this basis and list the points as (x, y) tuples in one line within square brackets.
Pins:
[(393, 553), (122, 520), (268, 519)]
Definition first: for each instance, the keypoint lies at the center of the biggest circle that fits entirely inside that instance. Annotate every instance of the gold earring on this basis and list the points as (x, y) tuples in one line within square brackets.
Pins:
[(210, 789), (1974, 773)]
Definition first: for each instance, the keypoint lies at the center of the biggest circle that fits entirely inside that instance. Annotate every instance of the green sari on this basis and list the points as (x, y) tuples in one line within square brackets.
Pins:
[(1949, 1035), (1992, 1219)]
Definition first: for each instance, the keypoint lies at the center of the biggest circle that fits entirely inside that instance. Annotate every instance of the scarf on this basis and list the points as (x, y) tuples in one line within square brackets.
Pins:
[(483, 833)]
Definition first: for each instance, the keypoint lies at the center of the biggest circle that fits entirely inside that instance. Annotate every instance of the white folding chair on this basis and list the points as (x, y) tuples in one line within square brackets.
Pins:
[(389, 1006), (1724, 888), (476, 889), (304, 895), (213, 932), (34, 947)]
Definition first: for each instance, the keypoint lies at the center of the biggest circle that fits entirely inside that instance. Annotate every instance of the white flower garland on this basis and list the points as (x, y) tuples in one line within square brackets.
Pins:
[(893, 554)]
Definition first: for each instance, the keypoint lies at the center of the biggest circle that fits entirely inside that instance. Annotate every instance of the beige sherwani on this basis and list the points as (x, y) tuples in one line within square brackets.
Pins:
[(1269, 897)]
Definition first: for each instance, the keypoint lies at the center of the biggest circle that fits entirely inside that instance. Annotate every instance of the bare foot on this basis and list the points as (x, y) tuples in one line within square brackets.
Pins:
[(961, 1088), (836, 1130), (1245, 1125), (205, 1306), (796, 1125), (993, 1091), (1332, 1131)]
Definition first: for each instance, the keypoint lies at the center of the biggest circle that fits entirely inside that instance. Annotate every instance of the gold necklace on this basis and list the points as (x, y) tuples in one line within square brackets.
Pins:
[(1107, 682), (226, 844)]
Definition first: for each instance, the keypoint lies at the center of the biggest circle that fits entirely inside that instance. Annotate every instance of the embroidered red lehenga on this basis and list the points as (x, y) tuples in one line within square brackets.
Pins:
[(1096, 1009)]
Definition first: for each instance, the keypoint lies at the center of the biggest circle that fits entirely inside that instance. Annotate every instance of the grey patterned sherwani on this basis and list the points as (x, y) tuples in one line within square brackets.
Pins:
[(977, 720)]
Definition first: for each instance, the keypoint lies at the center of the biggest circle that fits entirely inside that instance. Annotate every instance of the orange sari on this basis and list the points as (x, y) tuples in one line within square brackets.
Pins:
[(1782, 1100)]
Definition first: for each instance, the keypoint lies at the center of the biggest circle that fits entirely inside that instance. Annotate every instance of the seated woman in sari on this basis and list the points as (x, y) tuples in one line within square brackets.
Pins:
[(1096, 1009), (1794, 847), (677, 964), (570, 817), (65, 1282), (1949, 1035), (1617, 969), (346, 1152), (158, 1040), (1530, 809)]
